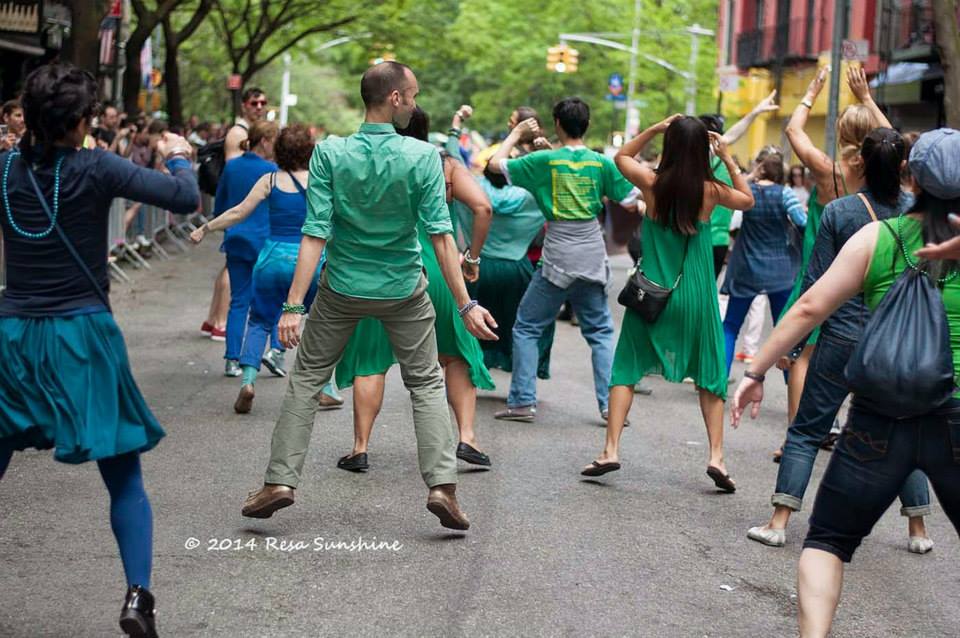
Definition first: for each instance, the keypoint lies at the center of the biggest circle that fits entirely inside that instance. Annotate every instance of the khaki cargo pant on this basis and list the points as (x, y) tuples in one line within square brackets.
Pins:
[(410, 325)]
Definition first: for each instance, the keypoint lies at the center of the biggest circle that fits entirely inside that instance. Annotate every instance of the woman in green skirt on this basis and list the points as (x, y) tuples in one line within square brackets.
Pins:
[(686, 340), (368, 354)]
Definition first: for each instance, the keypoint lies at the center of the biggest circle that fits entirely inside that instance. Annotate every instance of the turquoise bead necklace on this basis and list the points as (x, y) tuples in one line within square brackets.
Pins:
[(56, 198)]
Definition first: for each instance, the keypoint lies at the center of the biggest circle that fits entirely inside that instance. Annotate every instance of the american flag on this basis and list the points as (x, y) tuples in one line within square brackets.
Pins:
[(109, 27)]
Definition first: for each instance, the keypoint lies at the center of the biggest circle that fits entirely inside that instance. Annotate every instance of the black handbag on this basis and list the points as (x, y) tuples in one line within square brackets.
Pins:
[(645, 297), (903, 364)]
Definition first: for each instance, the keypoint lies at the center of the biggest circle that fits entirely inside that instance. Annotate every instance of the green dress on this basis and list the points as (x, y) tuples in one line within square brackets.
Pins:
[(814, 212), (369, 352), (687, 338)]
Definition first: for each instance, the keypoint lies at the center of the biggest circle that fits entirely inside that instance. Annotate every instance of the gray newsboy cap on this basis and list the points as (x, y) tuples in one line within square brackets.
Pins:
[(935, 162)]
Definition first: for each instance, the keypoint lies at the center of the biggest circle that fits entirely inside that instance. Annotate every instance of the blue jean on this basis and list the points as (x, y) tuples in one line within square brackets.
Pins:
[(823, 393), (538, 310), (241, 296), (873, 458), (272, 277), (737, 308)]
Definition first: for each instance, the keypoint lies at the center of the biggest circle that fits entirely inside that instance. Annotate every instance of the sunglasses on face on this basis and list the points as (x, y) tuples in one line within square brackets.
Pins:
[(257, 102)]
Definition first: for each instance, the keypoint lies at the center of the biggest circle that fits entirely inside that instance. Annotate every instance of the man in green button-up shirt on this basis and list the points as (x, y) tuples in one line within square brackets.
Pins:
[(365, 195)]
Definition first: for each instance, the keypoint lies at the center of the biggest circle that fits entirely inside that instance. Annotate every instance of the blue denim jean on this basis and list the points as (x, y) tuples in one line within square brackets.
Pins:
[(241, 296), (272, 277), (823, 393), (737, 309), (875, 455), (538, 310)]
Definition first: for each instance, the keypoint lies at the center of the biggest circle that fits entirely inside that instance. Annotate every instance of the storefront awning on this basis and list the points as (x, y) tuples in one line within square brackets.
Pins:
[(902, 83)]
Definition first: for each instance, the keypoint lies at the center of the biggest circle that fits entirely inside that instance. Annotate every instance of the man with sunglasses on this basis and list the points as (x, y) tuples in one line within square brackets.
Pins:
[(253, 107)]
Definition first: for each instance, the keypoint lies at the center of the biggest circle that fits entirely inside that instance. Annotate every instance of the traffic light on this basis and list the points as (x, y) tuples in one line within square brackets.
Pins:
[(562, 59)]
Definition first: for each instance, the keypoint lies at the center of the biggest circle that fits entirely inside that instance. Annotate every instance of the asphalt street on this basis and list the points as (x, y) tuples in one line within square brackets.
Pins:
[(651, 550)]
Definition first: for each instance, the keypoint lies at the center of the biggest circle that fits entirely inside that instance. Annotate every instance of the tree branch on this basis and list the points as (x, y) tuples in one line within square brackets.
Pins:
[(195, 20), (255, 66)]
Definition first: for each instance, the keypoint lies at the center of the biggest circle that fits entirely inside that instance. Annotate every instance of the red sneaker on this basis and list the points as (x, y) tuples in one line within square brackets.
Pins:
[(206, 329), (218, 334)]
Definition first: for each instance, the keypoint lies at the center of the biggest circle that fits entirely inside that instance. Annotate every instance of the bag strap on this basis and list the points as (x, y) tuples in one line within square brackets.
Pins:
[(873, 215), (686, 246), (66, 242)]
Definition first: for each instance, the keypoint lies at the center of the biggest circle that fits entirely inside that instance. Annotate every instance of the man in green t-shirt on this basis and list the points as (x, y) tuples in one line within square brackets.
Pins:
[(569, 184), (365, 196)]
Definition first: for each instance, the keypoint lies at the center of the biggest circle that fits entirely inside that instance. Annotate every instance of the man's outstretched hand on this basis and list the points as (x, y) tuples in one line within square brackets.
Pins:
[(479, 322)]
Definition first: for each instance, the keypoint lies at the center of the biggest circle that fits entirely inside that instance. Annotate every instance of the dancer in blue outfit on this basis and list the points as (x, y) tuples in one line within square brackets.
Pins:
[(66, 382), (284, 195)]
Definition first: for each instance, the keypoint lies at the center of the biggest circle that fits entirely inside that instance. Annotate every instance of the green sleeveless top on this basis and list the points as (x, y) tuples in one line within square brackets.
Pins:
[(888, 263)]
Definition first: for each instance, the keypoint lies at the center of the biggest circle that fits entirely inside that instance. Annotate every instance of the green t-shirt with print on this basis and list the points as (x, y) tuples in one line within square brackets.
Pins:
[(568, 183)]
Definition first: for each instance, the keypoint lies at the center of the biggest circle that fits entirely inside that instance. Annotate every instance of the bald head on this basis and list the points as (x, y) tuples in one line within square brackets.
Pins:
[(381, 80)]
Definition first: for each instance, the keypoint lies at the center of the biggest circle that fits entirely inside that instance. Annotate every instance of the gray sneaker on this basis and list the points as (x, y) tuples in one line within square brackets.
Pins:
[(642, 388), (525, 413), (273, 360), (232, 368)]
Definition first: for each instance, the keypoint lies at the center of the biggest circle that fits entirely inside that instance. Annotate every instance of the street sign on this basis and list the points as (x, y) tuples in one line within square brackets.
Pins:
[(234, 82), (291, 99), (856, 50), (615, 84), (729, 83)]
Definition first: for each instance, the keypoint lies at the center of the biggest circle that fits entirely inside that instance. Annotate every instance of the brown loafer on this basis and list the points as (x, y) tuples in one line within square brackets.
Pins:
[(267, 500), (328, 402), (442, 503), (244, 402)]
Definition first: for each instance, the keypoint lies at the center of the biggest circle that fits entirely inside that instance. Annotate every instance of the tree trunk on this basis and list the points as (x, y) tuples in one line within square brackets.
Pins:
[(948, 41), (171, 74), (82, 48), (132, 76)]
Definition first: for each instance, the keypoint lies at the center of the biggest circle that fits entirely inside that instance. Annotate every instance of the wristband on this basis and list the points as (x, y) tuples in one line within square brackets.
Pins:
[(807, 103), (470, 260), (470, 305), (759, 378), (296, 308)]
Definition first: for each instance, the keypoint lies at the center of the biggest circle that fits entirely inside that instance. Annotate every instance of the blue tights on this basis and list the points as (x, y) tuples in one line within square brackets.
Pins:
[(130, 516)]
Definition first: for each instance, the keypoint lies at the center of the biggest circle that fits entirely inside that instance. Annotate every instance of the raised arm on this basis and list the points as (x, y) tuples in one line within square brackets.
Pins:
[(843, 280), (808, 152), (235, 215), (176, 192), (740, 197), (857, 79), (503, 152), (467, 191), (626, 160), (767, 105)]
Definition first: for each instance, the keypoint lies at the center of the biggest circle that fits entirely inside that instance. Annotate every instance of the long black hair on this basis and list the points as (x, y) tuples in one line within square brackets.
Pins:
[(683, 170), (56, 98), (936, 228), (883, 151), (418, 126)]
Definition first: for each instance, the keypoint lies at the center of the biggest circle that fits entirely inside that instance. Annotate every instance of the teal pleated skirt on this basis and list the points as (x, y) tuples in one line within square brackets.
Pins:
[(66, 384)]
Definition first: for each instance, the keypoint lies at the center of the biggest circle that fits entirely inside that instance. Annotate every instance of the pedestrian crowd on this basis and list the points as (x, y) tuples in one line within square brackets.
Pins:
[(380, 248)]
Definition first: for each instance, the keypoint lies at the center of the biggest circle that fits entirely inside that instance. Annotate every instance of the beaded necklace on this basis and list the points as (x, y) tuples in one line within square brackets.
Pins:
[(56, 198), (911, 263)]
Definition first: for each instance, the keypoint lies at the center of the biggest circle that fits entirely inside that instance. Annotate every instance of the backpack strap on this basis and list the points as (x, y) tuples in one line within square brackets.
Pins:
[(873, 215)]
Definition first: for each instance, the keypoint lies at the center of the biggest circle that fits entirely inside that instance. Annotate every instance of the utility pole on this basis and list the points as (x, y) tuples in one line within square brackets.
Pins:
[(284, 89), (696, 32), (632, 76), (833, 106)]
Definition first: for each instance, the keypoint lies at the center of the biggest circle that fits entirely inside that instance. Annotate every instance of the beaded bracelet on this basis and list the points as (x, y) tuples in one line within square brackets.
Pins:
[(296, 308), (470, 260), (470, 305)]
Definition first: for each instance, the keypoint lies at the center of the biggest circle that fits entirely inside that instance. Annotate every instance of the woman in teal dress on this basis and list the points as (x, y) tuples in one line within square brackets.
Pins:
[(686, 340), (368, 354)]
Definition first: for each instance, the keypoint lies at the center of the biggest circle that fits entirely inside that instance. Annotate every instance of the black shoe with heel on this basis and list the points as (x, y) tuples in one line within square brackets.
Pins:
[(137, 618)]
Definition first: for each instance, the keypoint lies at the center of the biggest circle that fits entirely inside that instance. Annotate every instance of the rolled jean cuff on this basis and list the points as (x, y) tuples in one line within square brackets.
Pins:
[(830, 549), (439, 479), (916, 510), (787, 500)]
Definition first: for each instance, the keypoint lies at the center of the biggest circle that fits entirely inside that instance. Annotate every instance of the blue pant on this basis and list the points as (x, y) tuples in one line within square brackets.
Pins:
[(823, 392), (538, 310), (241, 296), (737, 308), (272, 277), (874, 457)]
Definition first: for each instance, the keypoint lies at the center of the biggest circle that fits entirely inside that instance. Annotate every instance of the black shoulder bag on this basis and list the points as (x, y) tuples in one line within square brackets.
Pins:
[(903, 365), (66, 241), (645, 297)]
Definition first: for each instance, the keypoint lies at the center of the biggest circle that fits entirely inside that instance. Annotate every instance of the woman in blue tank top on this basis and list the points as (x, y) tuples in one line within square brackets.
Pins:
[(284, 192)]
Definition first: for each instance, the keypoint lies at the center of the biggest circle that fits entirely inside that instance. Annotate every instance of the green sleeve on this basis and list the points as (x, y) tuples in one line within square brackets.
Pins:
[(525, 171), (319, 197), (615, 185), (452, 147), (432, 209), (721, 172)]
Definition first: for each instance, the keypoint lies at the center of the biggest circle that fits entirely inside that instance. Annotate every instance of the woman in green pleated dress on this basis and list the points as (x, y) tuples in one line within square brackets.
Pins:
[(686, 340), (368, 354)]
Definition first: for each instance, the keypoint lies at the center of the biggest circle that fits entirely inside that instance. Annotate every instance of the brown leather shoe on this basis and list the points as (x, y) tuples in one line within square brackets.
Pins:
[(244, 400), (442, 502), (267, 500)]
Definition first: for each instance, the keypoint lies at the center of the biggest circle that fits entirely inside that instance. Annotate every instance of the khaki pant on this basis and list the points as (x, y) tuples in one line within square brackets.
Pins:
[(410, 325)]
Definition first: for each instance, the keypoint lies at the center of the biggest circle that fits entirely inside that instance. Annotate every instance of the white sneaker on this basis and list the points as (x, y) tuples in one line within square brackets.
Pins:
[(768, 536), (919, 545)]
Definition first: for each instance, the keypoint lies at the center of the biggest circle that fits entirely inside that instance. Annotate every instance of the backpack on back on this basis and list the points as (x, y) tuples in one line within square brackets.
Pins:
[(211, 158)]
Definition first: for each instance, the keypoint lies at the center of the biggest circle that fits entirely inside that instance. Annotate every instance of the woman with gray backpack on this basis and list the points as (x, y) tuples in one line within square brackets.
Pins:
[(905, 413)]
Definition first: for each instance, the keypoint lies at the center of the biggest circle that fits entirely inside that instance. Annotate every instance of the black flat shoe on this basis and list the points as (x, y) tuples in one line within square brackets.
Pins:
[(356, 463), (137, 616), (470, 455)]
